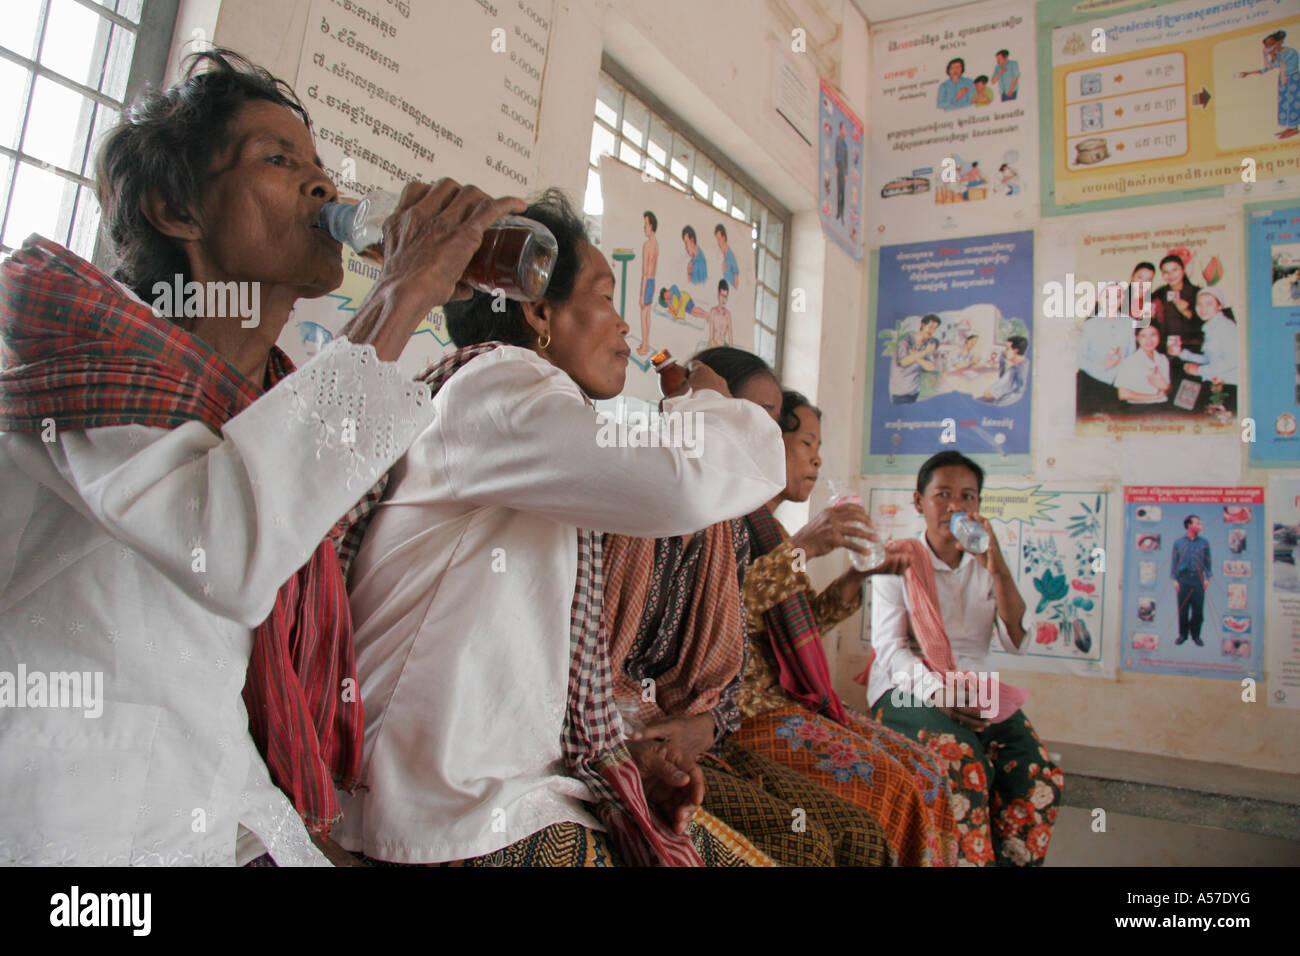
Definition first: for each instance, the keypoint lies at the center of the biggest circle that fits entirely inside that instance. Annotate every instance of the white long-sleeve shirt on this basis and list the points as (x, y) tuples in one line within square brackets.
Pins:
[(970, 616), (461, 595), (1218, 358), (99, 573)]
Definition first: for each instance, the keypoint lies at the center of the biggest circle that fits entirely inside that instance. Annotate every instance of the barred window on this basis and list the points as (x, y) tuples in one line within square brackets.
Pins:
[(67, 67), (648, 139)]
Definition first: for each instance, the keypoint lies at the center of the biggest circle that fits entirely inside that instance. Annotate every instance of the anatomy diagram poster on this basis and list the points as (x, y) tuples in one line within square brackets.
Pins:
[(683, 272), (954, 122)]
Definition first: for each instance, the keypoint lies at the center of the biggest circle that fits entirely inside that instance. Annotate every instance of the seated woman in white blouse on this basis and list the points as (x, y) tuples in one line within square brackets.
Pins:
[(170, 484), (1005, 787), (469, 638), (1143, 377)]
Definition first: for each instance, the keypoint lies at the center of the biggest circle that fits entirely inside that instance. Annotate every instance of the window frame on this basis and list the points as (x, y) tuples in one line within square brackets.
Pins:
[(701, 146), (153, 35)]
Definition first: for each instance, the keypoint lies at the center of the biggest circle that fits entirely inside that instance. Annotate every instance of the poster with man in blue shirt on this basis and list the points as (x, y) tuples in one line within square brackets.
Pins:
[(1006, 74), (1195, 561), (1190, 570)]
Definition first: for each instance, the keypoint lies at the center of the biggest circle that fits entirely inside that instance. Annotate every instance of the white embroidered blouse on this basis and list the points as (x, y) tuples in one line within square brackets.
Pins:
[(148, 555)]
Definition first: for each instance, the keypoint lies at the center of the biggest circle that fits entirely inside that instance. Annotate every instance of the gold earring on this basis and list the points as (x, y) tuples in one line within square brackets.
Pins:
[(542, 345)]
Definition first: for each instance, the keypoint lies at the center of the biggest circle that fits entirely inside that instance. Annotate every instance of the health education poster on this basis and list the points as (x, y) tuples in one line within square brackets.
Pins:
[(683, 272), (1194, 568), (1054, 541), (1273, 254), (383, 117), (952, 343), (1164, 102), (840, 171), (954, 113), (1151, 404), (1284, 593)]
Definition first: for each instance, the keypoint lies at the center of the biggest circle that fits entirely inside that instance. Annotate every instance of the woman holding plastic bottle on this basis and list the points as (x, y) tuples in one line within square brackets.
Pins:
[(791, 713), (936, 621)]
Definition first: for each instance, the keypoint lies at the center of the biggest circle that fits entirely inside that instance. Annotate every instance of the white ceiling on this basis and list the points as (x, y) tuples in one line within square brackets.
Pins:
[(879, 10)]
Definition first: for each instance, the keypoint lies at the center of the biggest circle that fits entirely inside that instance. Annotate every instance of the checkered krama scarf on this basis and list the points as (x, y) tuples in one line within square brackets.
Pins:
[(592, 738), (792, 628), (712, 641), (75, 349)]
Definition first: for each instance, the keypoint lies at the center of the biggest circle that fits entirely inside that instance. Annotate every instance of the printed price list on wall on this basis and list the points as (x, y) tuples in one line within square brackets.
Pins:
[(400, 91), (1126, 112)]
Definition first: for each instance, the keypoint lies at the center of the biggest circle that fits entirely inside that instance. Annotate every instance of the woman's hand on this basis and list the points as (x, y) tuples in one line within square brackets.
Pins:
[(428, 242), (832, 529), (690, 736), (991, 556), (701, 376), (898, 558), (434, 233), (673, 784), (968, 717)]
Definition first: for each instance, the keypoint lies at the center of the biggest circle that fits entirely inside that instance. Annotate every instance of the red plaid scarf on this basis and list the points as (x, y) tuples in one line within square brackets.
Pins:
[(792, 628), (592, 738), (75, 349)]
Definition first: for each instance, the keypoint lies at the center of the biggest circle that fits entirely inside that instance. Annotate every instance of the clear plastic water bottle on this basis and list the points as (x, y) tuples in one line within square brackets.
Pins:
[(841, 492), (969, 532)]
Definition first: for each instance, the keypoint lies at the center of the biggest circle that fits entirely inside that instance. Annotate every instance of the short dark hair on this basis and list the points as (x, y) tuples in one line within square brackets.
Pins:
[(1173, 258), (688, 231), (1278, 35), (474, 320), (164, 146), (980, 79), (945, 459), (1006, 53), (791, 402), (654, 220), (736, 366), (1147, 265), (931, 317), (722, 286), (720, 228), (1019, 343), (1187, 522), (955, 59)]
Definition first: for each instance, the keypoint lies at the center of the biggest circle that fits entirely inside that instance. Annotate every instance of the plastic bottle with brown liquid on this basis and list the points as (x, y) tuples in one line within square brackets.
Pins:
[(515, 258)]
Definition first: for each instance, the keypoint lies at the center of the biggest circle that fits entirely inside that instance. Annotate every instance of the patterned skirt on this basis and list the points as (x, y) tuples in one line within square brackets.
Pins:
[(789, 817), (571, 844), (865, 764), (1005, 788)]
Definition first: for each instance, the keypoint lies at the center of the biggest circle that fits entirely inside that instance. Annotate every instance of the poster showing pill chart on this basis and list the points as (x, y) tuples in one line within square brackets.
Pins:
[(1160, 102), (1194, 572), (374, 81), (954, 117), (1054, 539)]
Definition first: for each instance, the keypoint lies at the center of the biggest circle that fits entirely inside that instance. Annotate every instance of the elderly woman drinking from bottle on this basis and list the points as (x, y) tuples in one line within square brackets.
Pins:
[(171, 484)]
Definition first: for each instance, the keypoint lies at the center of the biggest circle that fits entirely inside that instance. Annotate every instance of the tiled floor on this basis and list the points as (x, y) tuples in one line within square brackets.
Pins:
[(1140, 841)]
